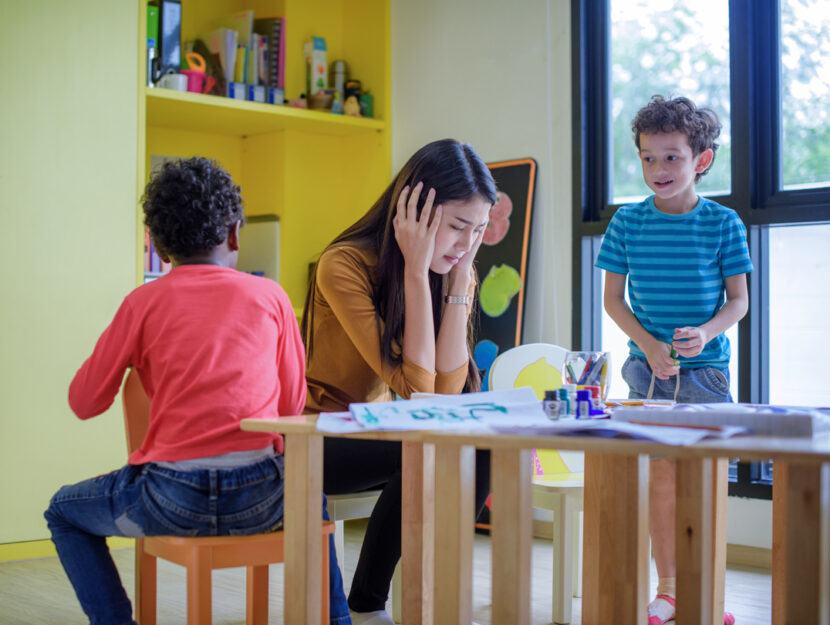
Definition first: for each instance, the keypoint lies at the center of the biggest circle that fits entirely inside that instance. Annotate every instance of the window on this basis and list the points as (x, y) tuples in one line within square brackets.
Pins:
[(764, 67), (799, 272), (667, 48), (805, 91)]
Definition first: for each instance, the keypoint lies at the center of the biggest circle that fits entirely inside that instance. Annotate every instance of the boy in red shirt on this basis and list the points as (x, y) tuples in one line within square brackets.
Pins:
[(212, 346)]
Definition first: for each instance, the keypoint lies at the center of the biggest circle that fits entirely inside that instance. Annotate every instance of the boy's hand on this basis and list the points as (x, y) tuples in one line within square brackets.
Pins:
[(689, 341), (660, 360)]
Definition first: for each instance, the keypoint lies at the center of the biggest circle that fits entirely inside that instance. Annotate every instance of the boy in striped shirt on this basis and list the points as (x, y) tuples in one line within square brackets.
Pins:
[(686, 259)]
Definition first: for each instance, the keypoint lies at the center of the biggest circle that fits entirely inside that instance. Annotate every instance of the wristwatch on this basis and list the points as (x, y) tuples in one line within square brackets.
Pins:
[(457, 299)]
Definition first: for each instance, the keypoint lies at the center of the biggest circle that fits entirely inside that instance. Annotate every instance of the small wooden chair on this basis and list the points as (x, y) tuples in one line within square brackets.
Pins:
[(201, 555), (560, 487)]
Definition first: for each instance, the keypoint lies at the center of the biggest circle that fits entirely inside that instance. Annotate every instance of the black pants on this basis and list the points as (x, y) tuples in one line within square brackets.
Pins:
[(353, 466)]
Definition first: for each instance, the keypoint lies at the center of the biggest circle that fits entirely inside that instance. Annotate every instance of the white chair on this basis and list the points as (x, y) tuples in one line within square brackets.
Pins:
[(345, 508), (559, 475), (359, 506)]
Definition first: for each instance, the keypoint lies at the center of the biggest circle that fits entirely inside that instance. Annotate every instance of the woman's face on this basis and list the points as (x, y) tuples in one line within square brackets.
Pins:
[(461, 223)]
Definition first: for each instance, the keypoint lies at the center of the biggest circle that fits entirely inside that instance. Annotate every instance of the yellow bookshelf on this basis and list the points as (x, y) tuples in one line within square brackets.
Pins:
[(317, 171), (200, 113)]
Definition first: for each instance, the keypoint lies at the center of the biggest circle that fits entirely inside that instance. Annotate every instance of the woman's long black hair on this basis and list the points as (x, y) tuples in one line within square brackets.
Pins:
[(456, 173)]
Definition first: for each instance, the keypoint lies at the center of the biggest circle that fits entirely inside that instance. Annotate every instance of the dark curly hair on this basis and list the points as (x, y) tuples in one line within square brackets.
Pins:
[(700, 125), (190, 205)]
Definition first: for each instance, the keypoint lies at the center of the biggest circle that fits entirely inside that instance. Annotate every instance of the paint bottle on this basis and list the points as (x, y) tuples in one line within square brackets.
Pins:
[(583, 404), (565, 403), (551, 405), (596, 401), (571, 389)]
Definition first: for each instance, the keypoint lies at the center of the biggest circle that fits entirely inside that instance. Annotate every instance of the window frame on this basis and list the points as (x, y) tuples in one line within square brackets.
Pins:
[(756, 193)]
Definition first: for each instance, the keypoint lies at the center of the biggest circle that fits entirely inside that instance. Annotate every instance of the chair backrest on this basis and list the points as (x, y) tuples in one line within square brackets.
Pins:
[(539, 366), (136, 410)]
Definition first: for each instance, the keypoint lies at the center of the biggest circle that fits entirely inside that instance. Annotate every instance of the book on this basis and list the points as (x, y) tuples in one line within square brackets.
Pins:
[(274, 29), (760, 419), (242, 22), (222, 44)]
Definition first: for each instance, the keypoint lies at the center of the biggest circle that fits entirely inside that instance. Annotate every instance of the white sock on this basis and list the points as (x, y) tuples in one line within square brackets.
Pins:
[(378, 617), (667, 586)]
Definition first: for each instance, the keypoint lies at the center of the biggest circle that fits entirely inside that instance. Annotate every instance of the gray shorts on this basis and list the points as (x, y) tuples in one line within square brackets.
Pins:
[(704, 385)]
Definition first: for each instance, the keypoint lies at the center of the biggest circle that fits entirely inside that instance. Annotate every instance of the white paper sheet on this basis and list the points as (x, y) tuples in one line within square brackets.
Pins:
[(515, 411)]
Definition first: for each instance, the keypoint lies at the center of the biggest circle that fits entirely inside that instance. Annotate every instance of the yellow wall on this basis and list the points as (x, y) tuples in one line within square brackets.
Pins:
[(67, 201), (74, 159)]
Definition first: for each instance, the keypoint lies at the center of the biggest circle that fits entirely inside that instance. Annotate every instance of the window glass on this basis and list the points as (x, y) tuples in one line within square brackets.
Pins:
[(799, 268), (805, 93), (614, 340), (672, 48)]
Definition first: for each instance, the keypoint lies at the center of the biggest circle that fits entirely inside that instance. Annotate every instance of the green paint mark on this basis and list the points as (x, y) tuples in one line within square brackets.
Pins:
[(498, 289)]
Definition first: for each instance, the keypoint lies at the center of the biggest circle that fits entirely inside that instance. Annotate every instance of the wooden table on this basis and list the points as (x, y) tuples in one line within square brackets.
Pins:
[(437, 580)]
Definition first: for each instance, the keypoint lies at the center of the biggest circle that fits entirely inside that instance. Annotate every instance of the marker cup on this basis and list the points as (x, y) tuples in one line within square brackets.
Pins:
[(589, 369)]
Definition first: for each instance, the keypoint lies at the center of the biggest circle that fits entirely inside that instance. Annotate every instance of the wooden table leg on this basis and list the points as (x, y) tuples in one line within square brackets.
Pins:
[(720, 500), (417, 533), (800, 543), (694, 534), (454, 522), (615, 540), (511, 535), (303, 528)]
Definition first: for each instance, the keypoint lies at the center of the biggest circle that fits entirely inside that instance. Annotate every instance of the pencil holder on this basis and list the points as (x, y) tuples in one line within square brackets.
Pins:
[(589, 369)]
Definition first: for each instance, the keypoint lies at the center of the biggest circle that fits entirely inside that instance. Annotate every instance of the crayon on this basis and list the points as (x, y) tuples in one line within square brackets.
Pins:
[(571, 373), (586, 370)]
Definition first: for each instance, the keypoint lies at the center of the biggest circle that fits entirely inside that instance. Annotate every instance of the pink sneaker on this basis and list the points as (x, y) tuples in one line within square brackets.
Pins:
[(662, 609)]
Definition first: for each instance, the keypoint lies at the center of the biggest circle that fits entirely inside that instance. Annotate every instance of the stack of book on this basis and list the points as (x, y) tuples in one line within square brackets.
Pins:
[(251, 53)]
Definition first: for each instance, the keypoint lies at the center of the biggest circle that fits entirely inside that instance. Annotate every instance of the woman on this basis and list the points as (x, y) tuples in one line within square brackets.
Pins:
[(388, 310)]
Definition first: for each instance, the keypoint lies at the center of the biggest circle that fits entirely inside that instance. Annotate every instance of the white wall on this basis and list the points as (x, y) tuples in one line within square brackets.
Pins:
[(497, 75)]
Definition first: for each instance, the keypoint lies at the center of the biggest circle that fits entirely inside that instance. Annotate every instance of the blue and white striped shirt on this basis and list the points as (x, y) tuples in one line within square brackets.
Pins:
[(676, 265)]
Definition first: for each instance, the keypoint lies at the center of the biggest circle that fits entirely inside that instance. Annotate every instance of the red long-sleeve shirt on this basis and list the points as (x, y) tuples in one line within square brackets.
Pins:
[(212, 346)]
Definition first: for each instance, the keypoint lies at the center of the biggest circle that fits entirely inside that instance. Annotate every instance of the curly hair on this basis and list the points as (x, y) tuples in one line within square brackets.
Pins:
[(190, 205), (700, 125)]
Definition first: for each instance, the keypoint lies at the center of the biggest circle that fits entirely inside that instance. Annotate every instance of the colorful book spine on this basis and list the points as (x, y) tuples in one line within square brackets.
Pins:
[(281, 56), (274, 29)]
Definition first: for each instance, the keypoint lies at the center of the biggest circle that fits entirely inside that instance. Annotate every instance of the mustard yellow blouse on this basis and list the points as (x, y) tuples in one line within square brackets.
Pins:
[(345, 365)]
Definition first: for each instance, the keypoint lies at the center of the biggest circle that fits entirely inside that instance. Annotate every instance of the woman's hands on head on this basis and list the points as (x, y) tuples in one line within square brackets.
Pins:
[(460, 273), (416, 236)]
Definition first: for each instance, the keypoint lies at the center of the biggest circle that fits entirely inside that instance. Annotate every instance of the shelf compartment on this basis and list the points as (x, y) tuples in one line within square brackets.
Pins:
[(179, 110)]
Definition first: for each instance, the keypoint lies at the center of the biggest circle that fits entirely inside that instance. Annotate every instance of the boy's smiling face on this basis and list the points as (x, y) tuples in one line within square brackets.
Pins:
[(670, 168)]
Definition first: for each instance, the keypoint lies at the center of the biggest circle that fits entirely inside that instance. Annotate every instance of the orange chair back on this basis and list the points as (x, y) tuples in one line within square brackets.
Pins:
[(136, 410)]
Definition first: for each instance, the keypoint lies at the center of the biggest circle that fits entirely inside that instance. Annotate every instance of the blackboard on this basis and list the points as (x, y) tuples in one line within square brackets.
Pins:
[(502, 260)]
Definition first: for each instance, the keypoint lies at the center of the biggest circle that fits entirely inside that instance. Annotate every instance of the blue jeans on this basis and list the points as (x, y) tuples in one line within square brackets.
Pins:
[(150, 500), (705, 385)]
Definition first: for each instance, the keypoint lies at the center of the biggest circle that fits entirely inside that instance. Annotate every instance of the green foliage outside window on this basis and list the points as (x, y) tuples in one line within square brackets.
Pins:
[(672, 49), (805, 92)]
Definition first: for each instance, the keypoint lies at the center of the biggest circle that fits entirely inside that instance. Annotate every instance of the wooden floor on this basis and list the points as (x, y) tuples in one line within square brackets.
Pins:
[(36, 592)]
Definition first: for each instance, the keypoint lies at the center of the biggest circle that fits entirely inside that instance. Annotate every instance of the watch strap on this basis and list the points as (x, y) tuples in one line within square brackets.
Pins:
[(457, 299)]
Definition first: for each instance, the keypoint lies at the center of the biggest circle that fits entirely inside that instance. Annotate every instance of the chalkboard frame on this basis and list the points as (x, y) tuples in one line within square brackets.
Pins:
[(517, 179)]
